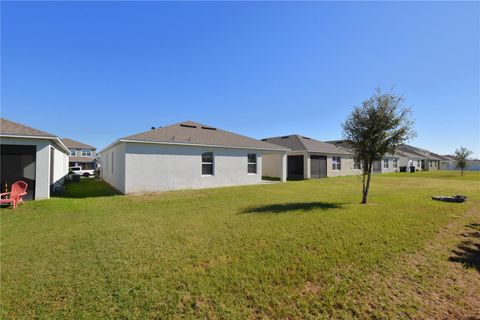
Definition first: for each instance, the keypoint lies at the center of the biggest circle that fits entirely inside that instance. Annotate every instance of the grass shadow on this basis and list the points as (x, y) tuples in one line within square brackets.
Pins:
[(468, 252), (87, 188), (293, 206)]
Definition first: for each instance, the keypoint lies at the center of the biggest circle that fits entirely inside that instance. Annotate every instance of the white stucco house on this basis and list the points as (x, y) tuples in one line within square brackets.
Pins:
[(187, 155), (36, 157)]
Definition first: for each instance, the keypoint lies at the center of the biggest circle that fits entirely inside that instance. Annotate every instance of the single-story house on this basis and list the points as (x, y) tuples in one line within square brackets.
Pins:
[(309, 158), (36, 157), (388, 163), (410, 159), (448, 162), (187, 155), (428, 160), (81, 154)]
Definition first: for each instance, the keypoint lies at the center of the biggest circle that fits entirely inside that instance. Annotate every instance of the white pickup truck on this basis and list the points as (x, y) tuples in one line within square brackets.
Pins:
[(81, 172)]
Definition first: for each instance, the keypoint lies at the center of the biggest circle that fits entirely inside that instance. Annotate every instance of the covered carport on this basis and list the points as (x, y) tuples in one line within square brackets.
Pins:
[(18, 162), (274, 165), (36, 157), (295, 167)]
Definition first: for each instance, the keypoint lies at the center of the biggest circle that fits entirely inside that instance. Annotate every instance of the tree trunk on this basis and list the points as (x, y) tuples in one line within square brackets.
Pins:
[(461, 170), (366, 185)]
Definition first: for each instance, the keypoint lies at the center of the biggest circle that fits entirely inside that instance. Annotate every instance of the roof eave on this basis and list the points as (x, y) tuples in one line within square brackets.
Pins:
[(22, 136), (189, 144)]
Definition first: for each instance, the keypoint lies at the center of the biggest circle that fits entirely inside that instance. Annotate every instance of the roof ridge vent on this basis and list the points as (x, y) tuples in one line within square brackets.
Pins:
[(209, 128), (187, 125)]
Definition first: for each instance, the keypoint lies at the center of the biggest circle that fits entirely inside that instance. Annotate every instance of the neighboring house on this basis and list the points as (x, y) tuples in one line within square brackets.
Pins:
[(429, 161), (36, 157), (410, 159), (188, 155), (81, 154), (388, 163), (448, 162), (309, 158)]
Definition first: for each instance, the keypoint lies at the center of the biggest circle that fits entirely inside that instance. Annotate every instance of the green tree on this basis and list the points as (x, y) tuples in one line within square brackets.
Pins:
[(461, 157), (377, 127)]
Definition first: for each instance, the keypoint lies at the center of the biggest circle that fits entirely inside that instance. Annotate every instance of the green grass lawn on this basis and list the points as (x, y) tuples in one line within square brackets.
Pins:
[(301, 249)]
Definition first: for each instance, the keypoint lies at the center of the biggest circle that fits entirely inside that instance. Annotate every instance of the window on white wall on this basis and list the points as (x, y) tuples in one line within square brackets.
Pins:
[(395, 162), (252, 162), (357, 164), (112, 162), (385, 163), (106, 163), (73, 151), (207, 163), (336, 163), (86, 153)]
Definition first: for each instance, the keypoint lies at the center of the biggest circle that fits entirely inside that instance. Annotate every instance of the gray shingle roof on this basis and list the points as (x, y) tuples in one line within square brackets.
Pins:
[(8, 127), (400, 152), (405, 148), (296, 142), (189, 132), (70, 143), (448, 157)]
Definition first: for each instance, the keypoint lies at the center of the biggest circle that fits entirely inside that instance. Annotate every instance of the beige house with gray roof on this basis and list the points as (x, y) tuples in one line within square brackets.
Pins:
[(81, 154), (187, 155), (309, 158), (36, 157)]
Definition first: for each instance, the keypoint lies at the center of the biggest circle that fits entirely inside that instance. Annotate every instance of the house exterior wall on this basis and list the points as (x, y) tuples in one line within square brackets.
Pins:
[(444, 165), (390, 164), (346, 166), (113, 166), (79, 159), (473, 165), (433, 165), (42, 163), (403, 162), (156, 167), (274, 165), (60, 169), (78, 153), (415, 162), (307, 173)]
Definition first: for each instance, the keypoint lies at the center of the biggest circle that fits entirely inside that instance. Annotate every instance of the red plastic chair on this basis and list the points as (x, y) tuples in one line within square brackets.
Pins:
[(19, 189)]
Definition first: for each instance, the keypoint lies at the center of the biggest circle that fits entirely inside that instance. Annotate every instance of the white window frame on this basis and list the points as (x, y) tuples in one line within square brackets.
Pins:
[(112, 161), (357, 165), (254, 163), (89, 153), (73, 151), (212, 163), (395, 163), (385, 163), (336, 163)]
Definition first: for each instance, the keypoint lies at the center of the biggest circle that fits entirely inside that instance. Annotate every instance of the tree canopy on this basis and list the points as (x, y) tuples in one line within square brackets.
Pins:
[(376, 128)]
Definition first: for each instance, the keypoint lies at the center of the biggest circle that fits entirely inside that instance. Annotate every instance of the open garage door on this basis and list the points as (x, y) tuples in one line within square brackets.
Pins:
[(18, 162)]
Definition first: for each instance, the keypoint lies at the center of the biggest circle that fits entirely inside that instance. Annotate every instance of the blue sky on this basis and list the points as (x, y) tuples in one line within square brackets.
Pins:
[(99, 71)]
